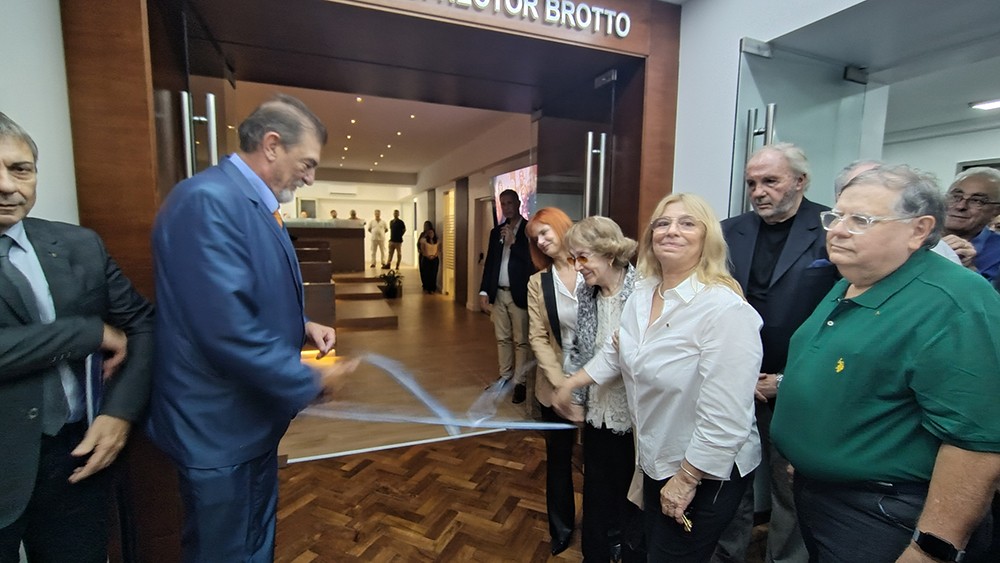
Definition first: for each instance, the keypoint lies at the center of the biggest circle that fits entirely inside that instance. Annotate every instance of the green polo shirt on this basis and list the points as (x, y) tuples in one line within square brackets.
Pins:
[(875, 384)]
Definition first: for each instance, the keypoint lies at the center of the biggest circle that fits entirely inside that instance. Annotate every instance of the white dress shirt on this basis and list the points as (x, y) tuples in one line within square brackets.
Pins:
[(689, 377)]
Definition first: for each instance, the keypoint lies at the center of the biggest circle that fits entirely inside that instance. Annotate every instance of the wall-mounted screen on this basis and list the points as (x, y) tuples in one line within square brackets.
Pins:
[(524, 181)]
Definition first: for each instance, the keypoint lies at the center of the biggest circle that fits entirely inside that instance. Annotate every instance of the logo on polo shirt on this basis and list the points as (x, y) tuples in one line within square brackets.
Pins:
[(840, 365)]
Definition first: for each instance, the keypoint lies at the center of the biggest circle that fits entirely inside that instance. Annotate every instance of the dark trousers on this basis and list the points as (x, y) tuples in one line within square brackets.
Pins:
[(863, 522), (609, 519), (63, 522), (559, 478), (429, 272), (229, 512), (711, 510)]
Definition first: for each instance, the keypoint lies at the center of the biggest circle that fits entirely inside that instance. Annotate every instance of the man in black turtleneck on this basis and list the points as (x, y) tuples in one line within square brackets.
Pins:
[(778, 254)]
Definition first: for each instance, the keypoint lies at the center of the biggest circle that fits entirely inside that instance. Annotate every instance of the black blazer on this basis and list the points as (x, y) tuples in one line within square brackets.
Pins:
[(801, 278), (88, 289), (519, 269)]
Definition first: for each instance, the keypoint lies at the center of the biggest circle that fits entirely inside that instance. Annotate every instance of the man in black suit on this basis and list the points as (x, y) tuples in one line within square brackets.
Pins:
[(62, 298), (505, 286), (778, 254)]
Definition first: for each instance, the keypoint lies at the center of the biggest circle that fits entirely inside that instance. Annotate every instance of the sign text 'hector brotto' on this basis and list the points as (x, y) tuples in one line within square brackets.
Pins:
[(560, 13)]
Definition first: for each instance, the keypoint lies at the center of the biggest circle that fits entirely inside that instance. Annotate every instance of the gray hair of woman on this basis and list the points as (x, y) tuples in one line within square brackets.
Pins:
[(713, 266), (918, 191), (601, 236)]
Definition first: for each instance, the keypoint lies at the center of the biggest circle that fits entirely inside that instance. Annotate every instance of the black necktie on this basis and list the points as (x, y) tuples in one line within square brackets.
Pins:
[(55, 409)]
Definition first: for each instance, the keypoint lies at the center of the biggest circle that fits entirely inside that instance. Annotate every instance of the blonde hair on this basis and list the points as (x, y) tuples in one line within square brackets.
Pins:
[(601, 236), (712, 267)]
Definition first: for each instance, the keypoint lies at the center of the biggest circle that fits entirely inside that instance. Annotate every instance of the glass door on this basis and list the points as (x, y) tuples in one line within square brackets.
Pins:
[(787, 96), (575, 148)]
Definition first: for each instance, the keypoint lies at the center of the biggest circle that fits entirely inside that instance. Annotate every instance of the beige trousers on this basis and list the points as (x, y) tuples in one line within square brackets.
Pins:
[(510, 323)]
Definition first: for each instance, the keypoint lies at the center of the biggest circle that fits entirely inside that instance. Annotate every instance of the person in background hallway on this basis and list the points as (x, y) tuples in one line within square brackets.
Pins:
[(552, 309), (333, 213), (777, 253), (429, 247), (397, 228), (973, 200), (601, 253), (353, 218), (62, 298), (958, 250), (688, 349), (229, 376), (304, 215), (888, 404), (505, 286), (377, 228)]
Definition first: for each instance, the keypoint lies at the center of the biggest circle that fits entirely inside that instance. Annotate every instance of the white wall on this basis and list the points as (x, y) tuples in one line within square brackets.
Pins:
[(34, 95), (940, 155), (707, 82)]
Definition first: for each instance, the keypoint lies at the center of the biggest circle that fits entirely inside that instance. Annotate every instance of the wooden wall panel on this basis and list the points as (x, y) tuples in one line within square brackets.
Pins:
[(110, 98), (660, 108)]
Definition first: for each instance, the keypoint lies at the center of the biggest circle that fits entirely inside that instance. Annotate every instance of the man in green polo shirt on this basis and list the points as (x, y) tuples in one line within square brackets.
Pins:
[(889, 399)]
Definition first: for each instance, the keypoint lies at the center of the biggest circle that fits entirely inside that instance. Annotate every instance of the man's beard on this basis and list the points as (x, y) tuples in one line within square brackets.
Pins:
[(286, 195)]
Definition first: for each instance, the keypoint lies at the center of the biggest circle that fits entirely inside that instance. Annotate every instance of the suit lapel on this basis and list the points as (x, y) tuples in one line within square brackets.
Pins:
[(278, 231), (800, 238), (53, 256), (741, 253)]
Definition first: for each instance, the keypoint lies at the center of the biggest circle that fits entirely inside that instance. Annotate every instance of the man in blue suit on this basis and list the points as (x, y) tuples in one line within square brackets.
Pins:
[(228, 376), (778, 255)]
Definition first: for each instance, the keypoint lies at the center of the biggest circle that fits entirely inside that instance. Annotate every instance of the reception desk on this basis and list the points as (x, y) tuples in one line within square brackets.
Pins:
[(345, 237)]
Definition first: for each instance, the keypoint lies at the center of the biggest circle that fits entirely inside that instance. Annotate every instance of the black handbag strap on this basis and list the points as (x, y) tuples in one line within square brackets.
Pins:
[(549, 296)]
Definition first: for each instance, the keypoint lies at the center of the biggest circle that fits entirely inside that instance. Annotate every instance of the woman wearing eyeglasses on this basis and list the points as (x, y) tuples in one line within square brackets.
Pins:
[(601, 253), (551, 328), (689, 353)]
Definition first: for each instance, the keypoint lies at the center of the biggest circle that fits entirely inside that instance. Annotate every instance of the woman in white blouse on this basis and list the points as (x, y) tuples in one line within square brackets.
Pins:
[(600, 252), (689, 352), (551, 323)]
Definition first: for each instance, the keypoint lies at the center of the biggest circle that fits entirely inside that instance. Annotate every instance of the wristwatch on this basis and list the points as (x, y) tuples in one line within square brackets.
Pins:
[(938, 548)]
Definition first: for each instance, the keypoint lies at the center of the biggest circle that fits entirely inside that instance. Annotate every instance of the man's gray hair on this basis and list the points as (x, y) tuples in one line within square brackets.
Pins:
[(285, 115), (847, 173), (9, 129), (794, 156), (991, 175), (919, 194)]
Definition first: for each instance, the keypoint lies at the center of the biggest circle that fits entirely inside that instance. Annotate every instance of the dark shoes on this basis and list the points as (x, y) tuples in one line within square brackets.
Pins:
[(385, 266), (520, 393), (559, 546)]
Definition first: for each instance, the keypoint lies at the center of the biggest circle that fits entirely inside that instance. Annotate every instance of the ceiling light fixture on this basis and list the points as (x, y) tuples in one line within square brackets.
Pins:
[(412, 116), (345, 148), (348, 136), (353, 121), (398, 133), (388, 146), (358, 99), (989, 104)]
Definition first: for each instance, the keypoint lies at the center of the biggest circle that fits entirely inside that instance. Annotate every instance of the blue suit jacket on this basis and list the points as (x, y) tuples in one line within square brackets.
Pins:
[(801, 278), (228, 377)]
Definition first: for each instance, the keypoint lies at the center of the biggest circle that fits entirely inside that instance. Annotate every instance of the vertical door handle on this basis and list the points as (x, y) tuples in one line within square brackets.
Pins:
[(600, 175), (187, 132), (589, 170)]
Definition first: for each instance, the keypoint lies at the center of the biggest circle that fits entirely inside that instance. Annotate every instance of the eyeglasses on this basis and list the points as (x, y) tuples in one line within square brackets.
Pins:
[(581, 260), (975, 201), (855, 223), (685, 224)]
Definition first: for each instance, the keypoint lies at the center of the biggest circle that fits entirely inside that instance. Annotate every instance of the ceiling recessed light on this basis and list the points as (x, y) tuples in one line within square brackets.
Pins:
[(398, 133), (376, 163), (388, 146), (358, 99), (370, 170), (412, 116), (341, 164), (988, 104), (381, 156), (348, 136), (343, 158), (353, 121), (345, 148)]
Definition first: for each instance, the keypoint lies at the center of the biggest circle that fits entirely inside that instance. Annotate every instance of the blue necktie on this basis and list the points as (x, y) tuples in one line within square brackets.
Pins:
[(55, 409)]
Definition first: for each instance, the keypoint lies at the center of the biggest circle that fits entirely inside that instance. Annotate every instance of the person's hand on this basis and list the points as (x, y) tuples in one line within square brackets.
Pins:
[(676, 495), (966, 252), (507, 234), (332, 378), (114, 343), (103, 441), (563, 404), (322, 336), (484, 303), (767, 387)]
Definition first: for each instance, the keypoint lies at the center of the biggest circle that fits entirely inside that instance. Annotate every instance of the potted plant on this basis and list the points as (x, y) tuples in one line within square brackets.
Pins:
[(392, 284)]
